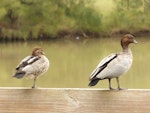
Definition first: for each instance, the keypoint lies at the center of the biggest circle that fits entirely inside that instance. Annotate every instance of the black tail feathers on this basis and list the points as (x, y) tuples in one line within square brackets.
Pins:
[(93, 82), (19, 75)]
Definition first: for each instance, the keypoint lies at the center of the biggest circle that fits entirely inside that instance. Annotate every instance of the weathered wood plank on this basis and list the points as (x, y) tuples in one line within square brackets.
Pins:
[(62, 100)]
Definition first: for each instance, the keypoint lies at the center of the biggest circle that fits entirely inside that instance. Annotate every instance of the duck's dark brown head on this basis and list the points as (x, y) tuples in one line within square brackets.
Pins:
[(126, 40), (37, 51)]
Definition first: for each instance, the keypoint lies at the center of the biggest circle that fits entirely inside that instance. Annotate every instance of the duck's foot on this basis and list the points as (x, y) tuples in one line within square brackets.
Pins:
[(121, 88), (33, 87), (112, 88)]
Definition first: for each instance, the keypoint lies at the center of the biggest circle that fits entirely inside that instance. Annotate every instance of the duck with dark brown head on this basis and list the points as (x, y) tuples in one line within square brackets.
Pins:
[(115, 64)]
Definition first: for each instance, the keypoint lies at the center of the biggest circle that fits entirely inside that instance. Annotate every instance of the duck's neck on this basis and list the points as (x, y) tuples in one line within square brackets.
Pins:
[(125, 48), (127, 51)]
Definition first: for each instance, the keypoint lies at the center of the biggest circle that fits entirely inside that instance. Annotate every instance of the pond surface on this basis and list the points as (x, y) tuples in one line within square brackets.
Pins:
[(73, 61)]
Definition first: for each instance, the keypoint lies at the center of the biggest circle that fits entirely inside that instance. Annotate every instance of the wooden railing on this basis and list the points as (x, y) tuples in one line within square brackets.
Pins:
[(73, 100)]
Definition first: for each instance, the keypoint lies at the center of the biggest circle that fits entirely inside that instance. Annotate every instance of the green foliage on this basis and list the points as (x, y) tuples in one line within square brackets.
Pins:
[(130, 15), (33, 18), (27, 19), (84, 15)]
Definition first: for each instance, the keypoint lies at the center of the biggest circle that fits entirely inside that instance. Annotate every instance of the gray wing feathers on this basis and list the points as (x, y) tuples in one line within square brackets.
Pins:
[(102, 65), (27, 61)]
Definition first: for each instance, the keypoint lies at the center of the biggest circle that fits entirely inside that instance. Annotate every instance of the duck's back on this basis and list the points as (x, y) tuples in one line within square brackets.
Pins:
[(38, 67)]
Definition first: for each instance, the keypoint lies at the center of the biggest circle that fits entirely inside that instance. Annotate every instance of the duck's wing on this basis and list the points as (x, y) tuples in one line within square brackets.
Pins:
[(37, 68), (27, 61), (102, 65)]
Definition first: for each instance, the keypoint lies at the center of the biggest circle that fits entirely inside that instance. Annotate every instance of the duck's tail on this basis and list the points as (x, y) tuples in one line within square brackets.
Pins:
[(93, 82), (19, 75)]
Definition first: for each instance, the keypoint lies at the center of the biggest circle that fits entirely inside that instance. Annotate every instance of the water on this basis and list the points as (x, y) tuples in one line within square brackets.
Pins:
[(73, 61)]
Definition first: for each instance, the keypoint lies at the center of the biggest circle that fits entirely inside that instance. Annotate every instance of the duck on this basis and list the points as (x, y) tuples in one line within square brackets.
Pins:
[(115, 64), (33, 65)]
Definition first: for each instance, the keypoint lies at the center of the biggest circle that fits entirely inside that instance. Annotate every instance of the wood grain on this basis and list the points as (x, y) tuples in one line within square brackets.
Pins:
[(67, 100)]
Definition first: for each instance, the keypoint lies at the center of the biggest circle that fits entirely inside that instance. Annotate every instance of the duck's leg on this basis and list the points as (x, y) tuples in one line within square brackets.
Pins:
[(110, 84), (34, 83), (119, 88)]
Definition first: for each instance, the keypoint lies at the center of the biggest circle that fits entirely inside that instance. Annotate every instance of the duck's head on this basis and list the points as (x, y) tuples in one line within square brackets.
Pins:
[(126, 40), (37, 51)]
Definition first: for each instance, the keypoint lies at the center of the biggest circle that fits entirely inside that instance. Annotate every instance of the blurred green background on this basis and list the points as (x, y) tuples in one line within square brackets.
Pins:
[(32, 19)]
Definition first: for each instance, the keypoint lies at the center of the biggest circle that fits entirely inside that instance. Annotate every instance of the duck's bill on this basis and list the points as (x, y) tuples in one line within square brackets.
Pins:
[(42, 52), (134, 41)]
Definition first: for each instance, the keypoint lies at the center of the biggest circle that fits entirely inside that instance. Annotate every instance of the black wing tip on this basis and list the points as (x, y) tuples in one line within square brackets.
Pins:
[(17, 68), (19, 75), (93, 82)]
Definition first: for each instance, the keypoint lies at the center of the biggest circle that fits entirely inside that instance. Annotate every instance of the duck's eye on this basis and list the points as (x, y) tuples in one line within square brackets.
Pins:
[(130, 38)]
